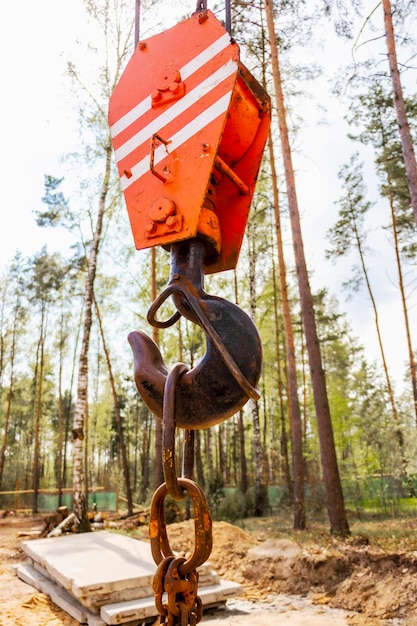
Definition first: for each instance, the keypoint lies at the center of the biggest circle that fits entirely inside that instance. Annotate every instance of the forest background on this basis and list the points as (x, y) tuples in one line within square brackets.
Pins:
[(336, 84)]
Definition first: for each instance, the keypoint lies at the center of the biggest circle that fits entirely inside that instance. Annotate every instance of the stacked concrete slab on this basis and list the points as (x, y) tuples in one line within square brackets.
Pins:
[(104, 578)]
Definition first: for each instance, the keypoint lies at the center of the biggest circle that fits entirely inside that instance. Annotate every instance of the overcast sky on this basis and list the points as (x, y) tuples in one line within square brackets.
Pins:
[(38, 126)]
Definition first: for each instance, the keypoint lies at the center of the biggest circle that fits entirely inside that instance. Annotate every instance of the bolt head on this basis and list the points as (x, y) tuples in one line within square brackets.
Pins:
[(161, 210), (166, 78), (151, 228)]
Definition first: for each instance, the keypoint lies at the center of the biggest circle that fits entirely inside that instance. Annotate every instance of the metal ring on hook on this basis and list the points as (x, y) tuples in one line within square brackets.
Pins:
[(156, 305), (168, 432), (206, 325), (208, 328)]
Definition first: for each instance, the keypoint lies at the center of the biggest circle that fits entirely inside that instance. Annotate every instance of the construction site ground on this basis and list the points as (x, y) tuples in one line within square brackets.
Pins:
[(288, 578)]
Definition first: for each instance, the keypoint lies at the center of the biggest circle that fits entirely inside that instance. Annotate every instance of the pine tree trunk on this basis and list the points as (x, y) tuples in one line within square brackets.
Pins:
[(79, 496), (297, 488), (403, 126), (285, 464), (136, 449), (242, 456), (335, 503), (198, 460), (394, 411), (9, 397), (241, 426), (144, 457), (222, 454), (209, 453), (60, 413), (411, 359), (38, 412)]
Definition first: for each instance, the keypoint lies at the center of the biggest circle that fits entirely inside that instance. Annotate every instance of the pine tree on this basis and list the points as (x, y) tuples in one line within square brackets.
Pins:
[(335, 503)]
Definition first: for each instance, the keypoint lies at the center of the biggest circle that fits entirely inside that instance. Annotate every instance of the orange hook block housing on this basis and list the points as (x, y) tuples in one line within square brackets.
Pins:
[(189, 125)]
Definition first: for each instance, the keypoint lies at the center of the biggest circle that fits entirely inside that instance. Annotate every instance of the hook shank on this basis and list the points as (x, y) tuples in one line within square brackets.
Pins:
[(227, 375)]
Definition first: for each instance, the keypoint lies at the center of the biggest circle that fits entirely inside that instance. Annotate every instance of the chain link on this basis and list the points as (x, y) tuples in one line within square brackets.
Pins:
[(160, 546), (176, 578), (168, 432)]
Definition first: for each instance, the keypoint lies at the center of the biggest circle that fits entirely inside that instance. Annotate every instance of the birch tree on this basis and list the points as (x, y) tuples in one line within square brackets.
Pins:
[(115, 24)]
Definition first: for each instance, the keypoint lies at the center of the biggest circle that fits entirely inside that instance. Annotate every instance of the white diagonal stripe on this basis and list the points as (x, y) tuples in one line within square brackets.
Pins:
[(205, 56), (188, 69), (207, 116), (130, 117), (175, 110)]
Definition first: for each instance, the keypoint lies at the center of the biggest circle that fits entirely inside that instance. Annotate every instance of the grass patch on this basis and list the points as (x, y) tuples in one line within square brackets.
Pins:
[(390, 534)]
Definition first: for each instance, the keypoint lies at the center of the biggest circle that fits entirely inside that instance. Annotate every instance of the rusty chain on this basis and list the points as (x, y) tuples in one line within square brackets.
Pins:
[(176, 578)]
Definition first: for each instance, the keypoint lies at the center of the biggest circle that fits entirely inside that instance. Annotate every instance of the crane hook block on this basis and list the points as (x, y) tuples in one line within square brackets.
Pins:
[(189, 124)]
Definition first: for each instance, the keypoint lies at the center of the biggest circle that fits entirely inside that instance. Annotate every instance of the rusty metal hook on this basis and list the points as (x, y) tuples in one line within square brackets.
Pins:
[(227, 375)]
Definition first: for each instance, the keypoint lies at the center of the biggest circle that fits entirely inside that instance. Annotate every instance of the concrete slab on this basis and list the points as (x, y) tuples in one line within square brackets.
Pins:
[(102, 576), (94, 563), (122, 612), (59, 596), (101, 568), (29, 575), (94, 601), (130, 613)]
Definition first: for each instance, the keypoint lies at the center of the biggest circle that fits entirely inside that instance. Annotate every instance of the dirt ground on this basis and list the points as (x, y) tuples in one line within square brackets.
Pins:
[(350, 582)]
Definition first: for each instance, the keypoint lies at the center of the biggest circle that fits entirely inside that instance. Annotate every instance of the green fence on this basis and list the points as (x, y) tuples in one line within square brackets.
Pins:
[(104, 500), (49, 500)]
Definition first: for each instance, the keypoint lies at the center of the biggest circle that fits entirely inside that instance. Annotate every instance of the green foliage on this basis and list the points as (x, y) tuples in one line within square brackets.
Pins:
[(215, 494), (373, 113), (57, 212), (232, 507), (349, 232)]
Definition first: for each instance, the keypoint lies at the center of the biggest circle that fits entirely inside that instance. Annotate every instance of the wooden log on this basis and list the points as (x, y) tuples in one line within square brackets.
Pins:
[(68, 521)]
